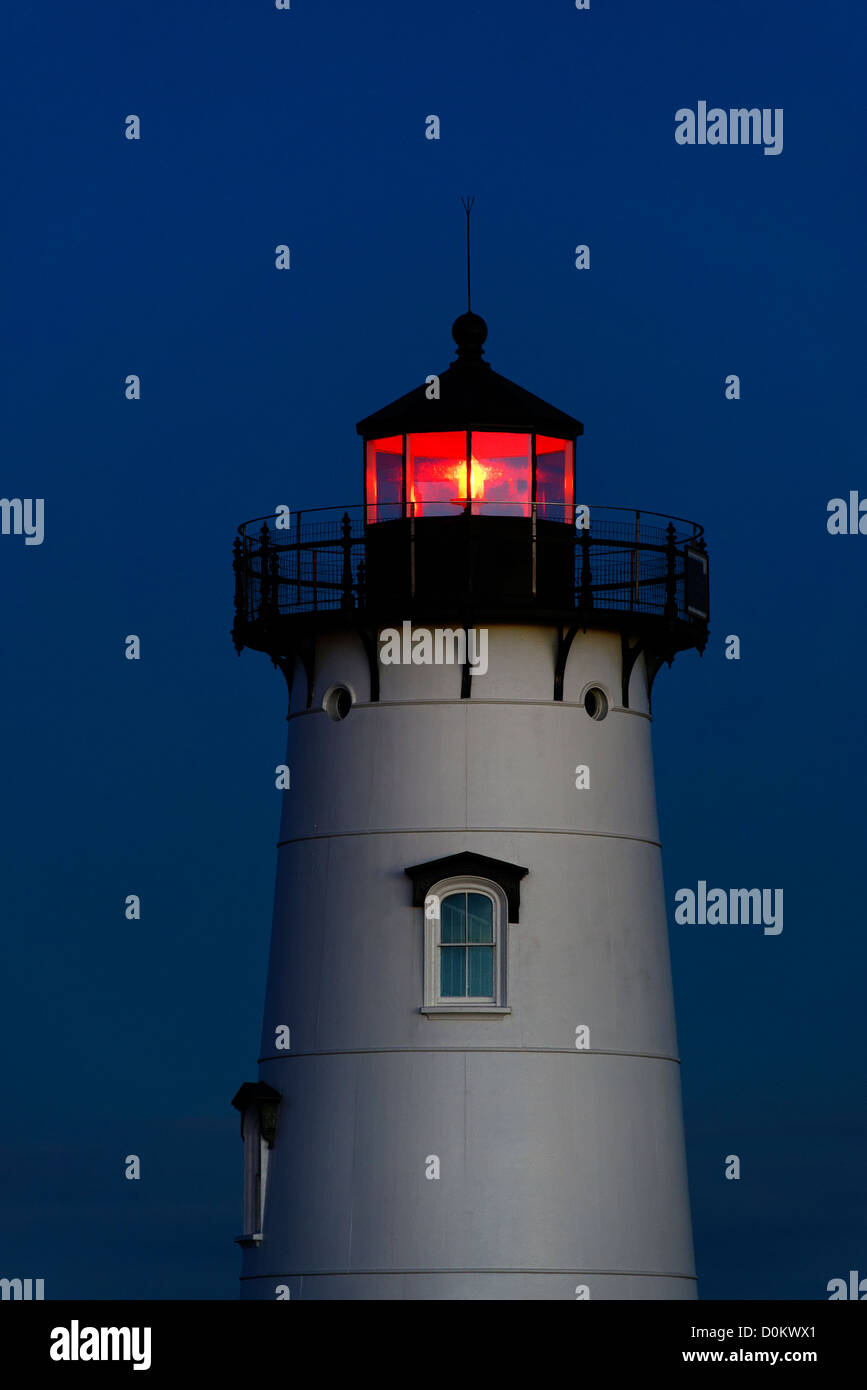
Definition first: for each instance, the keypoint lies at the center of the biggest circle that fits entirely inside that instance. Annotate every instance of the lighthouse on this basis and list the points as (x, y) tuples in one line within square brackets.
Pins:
[(469, 1082)]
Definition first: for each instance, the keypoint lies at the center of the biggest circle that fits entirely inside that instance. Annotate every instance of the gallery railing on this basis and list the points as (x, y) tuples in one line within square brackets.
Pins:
[(623, 560)]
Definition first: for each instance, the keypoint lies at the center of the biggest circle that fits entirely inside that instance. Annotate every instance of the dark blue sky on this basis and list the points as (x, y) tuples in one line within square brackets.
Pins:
[(155, 777)]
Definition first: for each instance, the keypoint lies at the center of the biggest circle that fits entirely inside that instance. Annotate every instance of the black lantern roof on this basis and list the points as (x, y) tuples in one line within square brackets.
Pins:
[(473, 395)]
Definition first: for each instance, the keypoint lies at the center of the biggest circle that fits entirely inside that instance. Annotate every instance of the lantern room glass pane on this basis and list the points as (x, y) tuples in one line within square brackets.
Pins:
[(554, 478), (384, 478), (500, 474), (436, 472)]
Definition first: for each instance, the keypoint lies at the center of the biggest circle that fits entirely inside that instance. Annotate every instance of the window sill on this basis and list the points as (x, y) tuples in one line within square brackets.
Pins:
[(464, 1011)]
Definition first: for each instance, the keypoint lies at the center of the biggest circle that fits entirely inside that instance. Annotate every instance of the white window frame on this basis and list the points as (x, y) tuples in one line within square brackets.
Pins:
[(434, 1004), (256, 1156)]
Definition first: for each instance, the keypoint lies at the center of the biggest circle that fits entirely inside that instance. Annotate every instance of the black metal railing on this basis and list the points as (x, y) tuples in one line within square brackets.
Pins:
[(317, 561)]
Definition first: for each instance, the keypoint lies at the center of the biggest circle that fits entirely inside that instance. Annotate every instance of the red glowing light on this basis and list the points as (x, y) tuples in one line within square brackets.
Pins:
[(478, 478), (502, 462), (435, 481)]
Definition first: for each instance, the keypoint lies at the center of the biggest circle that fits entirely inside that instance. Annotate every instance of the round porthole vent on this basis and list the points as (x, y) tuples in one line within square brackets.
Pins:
[(596, 702), (338, 702)]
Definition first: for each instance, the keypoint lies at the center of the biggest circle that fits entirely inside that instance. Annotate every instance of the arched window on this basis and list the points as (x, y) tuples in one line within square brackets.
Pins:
[(468, 901), (466, 932)]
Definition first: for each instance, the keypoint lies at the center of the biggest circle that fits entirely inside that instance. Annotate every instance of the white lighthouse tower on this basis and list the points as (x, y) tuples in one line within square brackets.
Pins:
[(469, 1078)]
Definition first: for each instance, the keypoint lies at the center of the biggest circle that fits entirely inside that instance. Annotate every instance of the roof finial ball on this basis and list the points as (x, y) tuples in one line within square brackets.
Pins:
[(469, 332)]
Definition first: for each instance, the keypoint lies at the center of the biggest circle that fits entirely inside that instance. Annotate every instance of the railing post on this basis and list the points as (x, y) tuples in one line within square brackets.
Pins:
[(670, 573), (635, 555), (586, 574), (314, 555), (298, 559), (275, 579), (412, 548), (264, 571), (470, 554), (360, 586), (533, 533), (346, 599)]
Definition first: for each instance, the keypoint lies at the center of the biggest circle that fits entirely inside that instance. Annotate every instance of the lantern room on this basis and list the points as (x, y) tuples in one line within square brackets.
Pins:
[(471, 442), (470, 514), (494, 472)]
